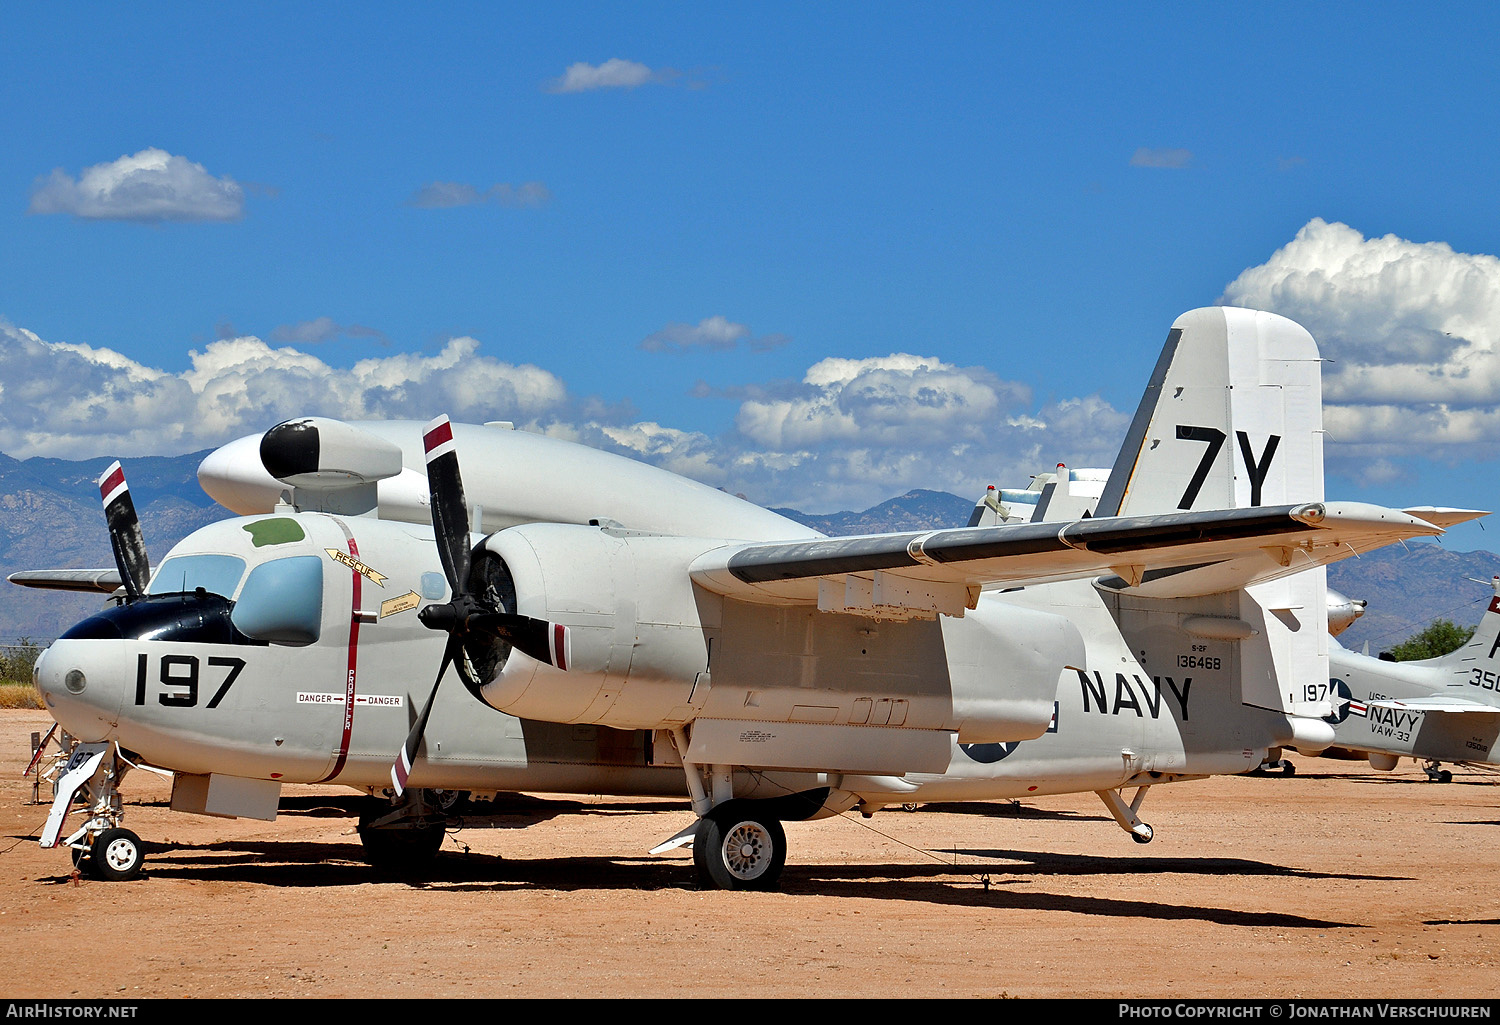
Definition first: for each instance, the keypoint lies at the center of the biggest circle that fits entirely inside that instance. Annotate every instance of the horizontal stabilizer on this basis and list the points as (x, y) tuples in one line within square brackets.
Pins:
[(1437, 704)]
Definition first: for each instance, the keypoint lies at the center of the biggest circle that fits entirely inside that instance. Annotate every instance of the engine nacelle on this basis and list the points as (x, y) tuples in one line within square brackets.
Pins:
[(1342, 612), (639, 629)]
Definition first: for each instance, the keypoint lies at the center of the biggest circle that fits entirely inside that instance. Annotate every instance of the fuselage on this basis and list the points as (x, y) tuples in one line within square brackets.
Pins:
[(332, 695)]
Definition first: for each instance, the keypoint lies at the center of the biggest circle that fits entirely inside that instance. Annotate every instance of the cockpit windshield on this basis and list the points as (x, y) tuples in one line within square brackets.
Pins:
[(216, 574)]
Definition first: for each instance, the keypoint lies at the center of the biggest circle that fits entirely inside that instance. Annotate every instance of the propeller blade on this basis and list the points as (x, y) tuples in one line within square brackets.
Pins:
[(407, 756), (546, 642), (450, 510), (125, 535)]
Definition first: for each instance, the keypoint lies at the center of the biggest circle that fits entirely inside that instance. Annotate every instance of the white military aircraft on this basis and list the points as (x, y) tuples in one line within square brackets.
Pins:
[(1438, 710), (625, 630)]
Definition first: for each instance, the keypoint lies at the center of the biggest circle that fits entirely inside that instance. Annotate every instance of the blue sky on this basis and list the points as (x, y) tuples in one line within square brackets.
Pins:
[(817, 254)]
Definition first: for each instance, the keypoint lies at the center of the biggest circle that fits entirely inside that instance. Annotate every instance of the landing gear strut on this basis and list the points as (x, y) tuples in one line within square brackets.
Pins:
[(737, 844), (1125, 814), (100, 847), (1436, 773)]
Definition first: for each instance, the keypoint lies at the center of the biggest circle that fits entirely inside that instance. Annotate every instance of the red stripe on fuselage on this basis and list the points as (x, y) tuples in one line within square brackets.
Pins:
[(350, 676)]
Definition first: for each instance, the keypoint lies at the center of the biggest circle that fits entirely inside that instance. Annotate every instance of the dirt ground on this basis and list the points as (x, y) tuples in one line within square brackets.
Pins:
[(1338, 882)]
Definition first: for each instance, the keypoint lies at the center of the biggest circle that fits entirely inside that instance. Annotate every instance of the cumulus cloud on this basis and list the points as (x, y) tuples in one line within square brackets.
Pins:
[(612, 74), (849, 433), (860, 430), (712, 333), (150, 187), (444, 195), (1413, 333), (74, 401), (1169, 158)]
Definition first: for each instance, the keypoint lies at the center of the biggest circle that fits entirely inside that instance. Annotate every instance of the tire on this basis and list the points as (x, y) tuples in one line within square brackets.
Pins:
[(1288, 769), (1445, 776), (739, 849), (116, 855)]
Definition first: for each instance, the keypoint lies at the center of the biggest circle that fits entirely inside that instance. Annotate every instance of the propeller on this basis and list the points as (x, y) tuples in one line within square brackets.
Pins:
[(125, 535), (466, 615)]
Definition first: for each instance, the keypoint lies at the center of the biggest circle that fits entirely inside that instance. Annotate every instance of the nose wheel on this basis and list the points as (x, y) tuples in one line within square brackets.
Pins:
[(116, 855)]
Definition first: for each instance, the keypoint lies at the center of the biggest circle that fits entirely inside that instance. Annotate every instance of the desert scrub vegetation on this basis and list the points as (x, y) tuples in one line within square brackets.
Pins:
[(16, 662)]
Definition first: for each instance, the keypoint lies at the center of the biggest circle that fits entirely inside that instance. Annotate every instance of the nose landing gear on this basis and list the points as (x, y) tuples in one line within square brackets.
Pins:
[(100, 847)]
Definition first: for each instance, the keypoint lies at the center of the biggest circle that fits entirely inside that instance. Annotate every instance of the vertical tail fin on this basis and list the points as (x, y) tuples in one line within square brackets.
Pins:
[(1233, 417), (1482, 649)]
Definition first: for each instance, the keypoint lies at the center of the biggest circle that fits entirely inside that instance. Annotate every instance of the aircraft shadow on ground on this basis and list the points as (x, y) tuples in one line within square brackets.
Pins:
[(973, 883)]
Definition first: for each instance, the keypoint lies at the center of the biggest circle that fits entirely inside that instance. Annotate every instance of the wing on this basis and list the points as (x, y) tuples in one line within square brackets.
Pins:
[(105, 580), (1172, 555)]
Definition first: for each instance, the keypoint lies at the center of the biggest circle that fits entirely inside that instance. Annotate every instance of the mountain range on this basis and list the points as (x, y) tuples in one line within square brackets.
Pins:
[(50, 517)]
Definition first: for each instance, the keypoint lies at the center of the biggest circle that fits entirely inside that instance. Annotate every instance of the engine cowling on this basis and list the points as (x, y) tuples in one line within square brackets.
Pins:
[(638, 628)]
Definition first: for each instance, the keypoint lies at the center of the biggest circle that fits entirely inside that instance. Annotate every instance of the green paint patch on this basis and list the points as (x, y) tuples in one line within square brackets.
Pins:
[(280, 531)]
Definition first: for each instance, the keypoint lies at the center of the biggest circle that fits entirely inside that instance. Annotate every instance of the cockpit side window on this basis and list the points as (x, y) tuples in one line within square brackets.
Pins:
[(282, 601), (216, 574)]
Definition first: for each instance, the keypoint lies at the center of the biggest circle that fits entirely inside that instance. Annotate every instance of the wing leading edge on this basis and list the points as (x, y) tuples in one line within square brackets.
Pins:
[(1170, 555)]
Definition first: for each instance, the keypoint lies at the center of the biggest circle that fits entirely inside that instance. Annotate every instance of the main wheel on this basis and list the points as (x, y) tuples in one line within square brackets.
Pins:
[(737, 849), (116, 855)]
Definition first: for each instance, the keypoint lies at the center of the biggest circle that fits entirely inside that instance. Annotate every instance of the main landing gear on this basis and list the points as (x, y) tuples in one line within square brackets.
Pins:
[(101, 847), (404, 835), (1274, 766), (737, 844)]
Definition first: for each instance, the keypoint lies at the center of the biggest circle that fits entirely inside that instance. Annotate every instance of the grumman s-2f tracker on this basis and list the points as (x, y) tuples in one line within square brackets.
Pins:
[(620, 629)]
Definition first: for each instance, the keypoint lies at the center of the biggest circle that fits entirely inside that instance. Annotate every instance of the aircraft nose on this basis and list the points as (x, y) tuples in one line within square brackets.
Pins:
[(83, 686)]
